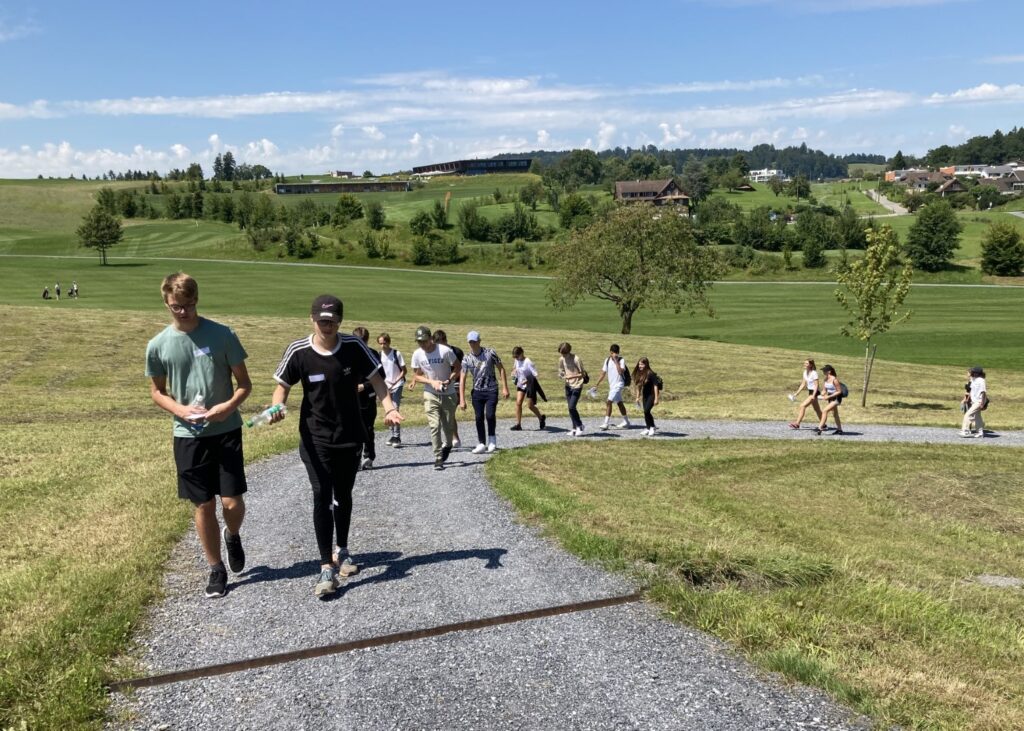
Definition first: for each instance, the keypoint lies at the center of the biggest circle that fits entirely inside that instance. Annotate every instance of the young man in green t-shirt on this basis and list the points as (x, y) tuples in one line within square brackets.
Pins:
[(191, 364)]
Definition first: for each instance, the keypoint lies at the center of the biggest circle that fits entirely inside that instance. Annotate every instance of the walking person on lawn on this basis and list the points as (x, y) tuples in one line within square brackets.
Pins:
[(435, 366), (331, 368), (480, 363), (395, 374), (197, 373), (615, 370)]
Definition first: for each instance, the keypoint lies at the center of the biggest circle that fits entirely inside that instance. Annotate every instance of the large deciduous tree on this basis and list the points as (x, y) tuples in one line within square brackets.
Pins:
[(872, 290), (637, 257), (934, 237), (100, 230), (696, 180)]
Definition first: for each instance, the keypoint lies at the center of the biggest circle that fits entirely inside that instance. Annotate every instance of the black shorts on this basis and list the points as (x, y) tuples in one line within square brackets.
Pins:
[(209, 466)]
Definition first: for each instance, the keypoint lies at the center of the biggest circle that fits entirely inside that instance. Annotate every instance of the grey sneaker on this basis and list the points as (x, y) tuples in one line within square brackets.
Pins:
[(347, 567), (980, 434), (327, 585)]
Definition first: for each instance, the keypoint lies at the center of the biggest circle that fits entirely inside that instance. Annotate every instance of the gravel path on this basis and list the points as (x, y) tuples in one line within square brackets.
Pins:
[(895, 209), (437, 548)]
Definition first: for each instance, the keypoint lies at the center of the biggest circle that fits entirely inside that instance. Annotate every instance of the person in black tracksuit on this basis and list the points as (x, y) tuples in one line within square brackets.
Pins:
[(367, 405), (648, 392), (331, 367)]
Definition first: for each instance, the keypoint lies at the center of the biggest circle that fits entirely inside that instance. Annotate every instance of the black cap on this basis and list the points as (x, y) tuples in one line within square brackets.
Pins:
[(422, 333), (326, 307)]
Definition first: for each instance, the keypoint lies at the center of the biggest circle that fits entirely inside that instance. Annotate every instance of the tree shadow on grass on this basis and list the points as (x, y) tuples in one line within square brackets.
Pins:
[(917, 406)]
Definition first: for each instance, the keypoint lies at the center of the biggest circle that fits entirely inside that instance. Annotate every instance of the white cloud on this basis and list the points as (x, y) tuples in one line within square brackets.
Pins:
[(180, 151), (981, 93), (674, 134), (373, 133), (416, 140), (337, 130), (1019, 58), (958, 131), (697, 87), (39, 109), (543, 137), (17, 30), (605, 134)]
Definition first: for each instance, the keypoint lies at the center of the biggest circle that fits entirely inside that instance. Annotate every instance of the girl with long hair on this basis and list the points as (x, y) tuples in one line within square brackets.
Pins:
[(648, 392), (833, 390), (810, 381)]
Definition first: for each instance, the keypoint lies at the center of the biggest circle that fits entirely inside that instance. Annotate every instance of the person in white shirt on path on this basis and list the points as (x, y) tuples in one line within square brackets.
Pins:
[(528, 388), (436, 367), (975, 400), (613, 369), (395, 373), (810, 380)]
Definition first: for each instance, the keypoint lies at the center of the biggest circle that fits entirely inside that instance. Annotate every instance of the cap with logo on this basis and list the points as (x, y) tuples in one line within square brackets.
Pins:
[(422, 333), (326, 307), (473, 337)]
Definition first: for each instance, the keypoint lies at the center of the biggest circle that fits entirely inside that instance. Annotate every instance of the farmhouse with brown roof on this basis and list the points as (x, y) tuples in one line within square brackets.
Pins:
[(658, 192)]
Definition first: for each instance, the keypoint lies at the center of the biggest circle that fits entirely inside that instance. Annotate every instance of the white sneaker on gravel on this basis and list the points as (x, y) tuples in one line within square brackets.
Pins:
[(623, 424), (966, 434), (327, 585), (480, 449), (980, 434), (604, 426), (492, 446)]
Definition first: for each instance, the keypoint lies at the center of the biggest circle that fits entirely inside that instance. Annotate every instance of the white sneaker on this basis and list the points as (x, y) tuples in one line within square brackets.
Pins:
[(966, 434), (480, 449), (573, 433), (491, 446), (980, 434), (457, 443), (624, 424), (604, 426), (579, 431)]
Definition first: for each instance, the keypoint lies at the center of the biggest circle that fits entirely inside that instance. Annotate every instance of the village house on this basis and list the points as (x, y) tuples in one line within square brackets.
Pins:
[(658, 192), (766, 174)]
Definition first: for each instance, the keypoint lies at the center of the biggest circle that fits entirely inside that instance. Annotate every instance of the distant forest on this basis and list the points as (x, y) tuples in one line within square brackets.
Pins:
[(993, 149), (793, 161)]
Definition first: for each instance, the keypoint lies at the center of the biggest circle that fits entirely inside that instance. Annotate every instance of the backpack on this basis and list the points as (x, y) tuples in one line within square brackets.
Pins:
[(843, 390), (984, 401), (626, 380)]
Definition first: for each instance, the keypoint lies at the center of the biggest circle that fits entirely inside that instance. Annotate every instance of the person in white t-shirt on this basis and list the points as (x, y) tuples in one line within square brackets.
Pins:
[(436, 367), (395, 373), (975, 400), (810, 381), (528, 388), (614, 369)]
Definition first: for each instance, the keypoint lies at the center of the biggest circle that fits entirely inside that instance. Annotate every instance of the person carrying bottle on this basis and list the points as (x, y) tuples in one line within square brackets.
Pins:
[(191, 364), (331, 367), (480, 363), (435, 366)]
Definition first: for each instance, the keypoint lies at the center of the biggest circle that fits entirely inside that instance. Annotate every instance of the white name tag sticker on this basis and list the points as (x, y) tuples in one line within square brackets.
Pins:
[(201, 351), (316, 378)]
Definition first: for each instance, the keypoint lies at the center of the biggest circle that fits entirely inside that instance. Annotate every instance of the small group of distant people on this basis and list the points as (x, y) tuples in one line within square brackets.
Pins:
[(813, 389), (72, 293)]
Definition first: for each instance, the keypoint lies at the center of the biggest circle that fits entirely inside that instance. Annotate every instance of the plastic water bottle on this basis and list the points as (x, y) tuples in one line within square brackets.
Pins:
[(592, 392), (266, 415), (198, 421)]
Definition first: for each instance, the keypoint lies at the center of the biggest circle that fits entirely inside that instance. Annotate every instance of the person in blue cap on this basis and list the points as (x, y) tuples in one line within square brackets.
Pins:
[(480, 363)]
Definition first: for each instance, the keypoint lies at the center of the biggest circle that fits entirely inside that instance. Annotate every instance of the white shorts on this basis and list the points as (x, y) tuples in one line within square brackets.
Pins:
[(615, 394)]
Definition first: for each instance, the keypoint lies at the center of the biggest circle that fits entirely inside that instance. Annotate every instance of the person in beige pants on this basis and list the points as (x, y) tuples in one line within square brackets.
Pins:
[(435, 366), (975, 400)]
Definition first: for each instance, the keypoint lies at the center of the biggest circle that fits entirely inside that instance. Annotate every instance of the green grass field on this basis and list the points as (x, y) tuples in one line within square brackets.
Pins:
[(950, 325), (833, 567)]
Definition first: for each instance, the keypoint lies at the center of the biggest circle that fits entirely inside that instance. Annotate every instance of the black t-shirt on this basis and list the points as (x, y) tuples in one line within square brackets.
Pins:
[(330, 403), (368, 398)]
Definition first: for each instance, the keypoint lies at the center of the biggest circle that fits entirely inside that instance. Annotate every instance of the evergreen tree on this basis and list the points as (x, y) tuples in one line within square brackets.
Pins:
[(1002, 253)]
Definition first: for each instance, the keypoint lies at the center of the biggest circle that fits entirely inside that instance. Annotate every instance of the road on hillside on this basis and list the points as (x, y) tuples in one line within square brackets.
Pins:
[(895, 209)]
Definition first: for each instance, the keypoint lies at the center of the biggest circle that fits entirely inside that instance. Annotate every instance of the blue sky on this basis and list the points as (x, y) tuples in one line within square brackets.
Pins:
[(309, 87)]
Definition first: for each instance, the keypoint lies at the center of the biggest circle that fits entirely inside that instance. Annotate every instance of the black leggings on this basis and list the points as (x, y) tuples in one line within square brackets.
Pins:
[(332, 473), (369, 415), (484, 406), (648, 416)]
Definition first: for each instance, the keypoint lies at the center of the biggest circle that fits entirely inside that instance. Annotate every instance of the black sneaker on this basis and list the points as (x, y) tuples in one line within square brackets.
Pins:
[(397, 441), (516, 427), (218, 584), (236, 556), (543, 422), (438, 464), (445, 451)]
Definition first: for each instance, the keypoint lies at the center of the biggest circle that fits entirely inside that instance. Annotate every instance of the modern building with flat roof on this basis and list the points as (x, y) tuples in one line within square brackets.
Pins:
[(476, 167)]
